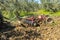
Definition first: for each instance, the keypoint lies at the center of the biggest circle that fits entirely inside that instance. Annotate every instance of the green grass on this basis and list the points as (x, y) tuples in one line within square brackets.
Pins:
[(39, 12), (24, 13), (56, 14)]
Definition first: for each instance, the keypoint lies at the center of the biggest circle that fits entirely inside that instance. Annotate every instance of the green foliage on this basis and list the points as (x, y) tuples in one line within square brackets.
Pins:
[(42, 11), (51, 5), (23, 7), (6, 14), (28, 7)]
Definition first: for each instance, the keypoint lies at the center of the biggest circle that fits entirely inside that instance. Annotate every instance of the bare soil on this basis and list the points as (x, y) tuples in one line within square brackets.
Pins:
[(43, 32)]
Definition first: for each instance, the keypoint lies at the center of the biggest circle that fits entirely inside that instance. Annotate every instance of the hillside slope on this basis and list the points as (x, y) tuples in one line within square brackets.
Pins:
[(44, 32)]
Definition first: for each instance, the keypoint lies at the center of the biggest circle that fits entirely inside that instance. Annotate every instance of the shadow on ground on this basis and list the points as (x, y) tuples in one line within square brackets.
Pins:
[(6, 27)]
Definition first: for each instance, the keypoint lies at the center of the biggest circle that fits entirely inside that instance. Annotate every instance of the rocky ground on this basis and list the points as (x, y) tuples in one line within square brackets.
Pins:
[(43, 32)]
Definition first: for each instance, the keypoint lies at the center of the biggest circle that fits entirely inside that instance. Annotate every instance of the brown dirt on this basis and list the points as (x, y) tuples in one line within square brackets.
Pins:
[(44, 32)]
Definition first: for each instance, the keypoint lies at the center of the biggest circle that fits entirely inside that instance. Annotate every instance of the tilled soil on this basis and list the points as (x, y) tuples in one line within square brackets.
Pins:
[(43, 32)]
